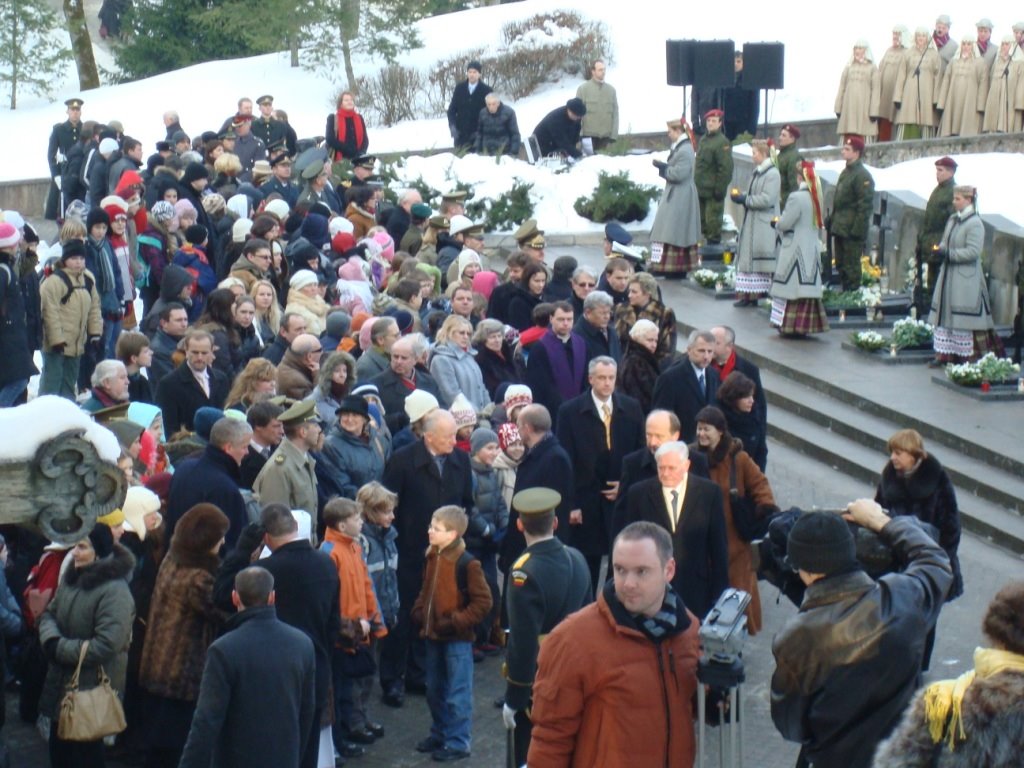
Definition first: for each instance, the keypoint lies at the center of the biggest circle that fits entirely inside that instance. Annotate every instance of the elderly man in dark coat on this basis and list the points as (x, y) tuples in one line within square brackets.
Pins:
[(689, 385), (559, 131), (401, 379), (259, 679), (597, 429), (497, 131), (426, 475), (596, 328)]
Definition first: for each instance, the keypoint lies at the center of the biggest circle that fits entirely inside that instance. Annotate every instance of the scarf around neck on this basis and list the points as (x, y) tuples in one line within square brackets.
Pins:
[(670, 619), (340, 123)]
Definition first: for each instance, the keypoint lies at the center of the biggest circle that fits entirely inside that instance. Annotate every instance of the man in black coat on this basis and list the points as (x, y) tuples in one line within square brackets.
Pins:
[(426, 475), (213, 478), (559, 131), (690, 508), (594, 326), (259, 679), (292, 325), (307, 596), (497, 130), (191, 385), (597, 429), (661, 427), (689, 385), (464, 109), (399, 381), (62, 138), (545, 465), (556, 370)]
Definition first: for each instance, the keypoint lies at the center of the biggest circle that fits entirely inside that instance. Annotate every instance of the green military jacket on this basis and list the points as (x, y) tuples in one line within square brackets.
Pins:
[(289, 477), (852, 204), (787, 162), (936, 214), (713, 169)]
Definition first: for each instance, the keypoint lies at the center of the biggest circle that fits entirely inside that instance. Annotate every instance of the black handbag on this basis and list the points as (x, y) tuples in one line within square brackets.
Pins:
[(358, 664), (749, 525)]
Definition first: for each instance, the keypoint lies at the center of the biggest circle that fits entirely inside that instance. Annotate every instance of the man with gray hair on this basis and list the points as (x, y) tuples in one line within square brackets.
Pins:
[(597, 429), (690, 508), (400, 217), (109, 386), (497, 131), (594, 326), (383, 333), (213, 478), (583, 282), (297, 373), (689, 385)]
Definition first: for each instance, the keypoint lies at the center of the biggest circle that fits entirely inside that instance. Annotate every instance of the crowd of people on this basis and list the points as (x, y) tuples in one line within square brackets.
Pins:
[(927, 84), (345, 436)]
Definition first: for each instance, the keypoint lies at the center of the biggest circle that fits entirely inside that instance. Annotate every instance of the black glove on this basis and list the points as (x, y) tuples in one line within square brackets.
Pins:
[(50, 648), (659, 164), (94, 345), (897, 104), (942, 254), (58, 349), (739, 198), (250, 537)]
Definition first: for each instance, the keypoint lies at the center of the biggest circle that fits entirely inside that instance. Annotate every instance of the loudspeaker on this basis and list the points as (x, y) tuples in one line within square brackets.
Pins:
[(679, 62), (763, 65), (713, 65)]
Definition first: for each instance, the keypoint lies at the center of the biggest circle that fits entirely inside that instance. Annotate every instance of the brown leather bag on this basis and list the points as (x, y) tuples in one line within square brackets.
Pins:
[(89, 715)]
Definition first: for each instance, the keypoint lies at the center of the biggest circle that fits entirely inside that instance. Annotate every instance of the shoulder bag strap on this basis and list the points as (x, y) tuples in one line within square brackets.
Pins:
[(73, 684)]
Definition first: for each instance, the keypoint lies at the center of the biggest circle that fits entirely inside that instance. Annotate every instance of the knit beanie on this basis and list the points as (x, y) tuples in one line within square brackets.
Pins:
[(213, 204), (9, 235), (196, 234), (338, 324), (278, 208), (821, 542), (162, 211), (72, 248), (96, 216), (240, 229), (314, 229), (204, 420), (516, 395), (387, 245), (482, 436), (185, 208), (419, 403), (102, 540), (342, 242), (467, 256), (508, 434), (194, 172), (463, 412)]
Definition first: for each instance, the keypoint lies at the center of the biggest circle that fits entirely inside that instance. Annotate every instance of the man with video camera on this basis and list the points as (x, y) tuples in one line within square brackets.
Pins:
[(848, 663)]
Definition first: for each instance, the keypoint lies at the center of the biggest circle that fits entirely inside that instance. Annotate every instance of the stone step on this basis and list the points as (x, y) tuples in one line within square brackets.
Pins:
[(847, 455), (980, 478)]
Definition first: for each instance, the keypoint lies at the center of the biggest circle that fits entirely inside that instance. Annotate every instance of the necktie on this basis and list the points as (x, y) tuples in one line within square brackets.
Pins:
[(266, 453), (606, 417), (703, 387), (675, 510)]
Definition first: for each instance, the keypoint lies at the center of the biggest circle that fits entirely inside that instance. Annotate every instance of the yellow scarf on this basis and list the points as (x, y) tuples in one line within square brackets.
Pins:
[(943, 701)]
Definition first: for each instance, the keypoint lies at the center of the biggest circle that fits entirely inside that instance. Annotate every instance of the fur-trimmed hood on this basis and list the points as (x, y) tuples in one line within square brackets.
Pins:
[(919, 484), (727, 446), (118, 565)]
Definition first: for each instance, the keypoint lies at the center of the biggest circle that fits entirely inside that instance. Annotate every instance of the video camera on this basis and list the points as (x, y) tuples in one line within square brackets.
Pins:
[(724, 630)]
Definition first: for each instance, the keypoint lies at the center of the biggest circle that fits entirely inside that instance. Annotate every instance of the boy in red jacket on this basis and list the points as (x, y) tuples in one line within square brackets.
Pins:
[(453, 600)]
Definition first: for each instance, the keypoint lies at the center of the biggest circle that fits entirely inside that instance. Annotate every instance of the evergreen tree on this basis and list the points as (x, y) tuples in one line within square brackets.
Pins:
[(33, 50)]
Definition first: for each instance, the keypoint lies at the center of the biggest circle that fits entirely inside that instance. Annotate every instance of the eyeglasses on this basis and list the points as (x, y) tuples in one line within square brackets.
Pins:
[(121, 218), (587, 285)]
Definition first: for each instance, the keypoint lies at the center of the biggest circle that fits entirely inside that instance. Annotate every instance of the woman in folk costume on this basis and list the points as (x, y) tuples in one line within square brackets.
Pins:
[(963, 93), (346, 130), (961, 312), (677, 223), (917, 87), (755, 263), (1005, 91), (796, 286), (889, 69), (857, 98)]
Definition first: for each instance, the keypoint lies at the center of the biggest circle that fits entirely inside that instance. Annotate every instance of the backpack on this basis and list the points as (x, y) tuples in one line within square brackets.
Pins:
[(70, 287), (462, 577)]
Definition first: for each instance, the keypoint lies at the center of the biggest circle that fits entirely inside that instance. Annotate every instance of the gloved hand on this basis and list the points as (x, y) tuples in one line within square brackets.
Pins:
[(58, 349), (508, 716), (94, 345), (250, 537), (659, 164), (739, 198), (942, 254), (897, 104)]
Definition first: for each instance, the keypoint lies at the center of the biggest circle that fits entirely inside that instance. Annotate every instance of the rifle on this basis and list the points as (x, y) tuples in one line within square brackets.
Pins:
[(826, 268), (919, 287)]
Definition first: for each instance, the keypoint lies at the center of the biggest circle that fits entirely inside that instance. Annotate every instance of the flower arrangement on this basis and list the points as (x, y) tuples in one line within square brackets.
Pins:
[(865, 296), (870, 274), (869, 341), (989, 368), (705, 278), (728, 278), (911, 333)]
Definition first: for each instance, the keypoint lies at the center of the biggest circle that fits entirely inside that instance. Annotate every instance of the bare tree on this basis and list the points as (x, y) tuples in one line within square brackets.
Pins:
[(81, 44)]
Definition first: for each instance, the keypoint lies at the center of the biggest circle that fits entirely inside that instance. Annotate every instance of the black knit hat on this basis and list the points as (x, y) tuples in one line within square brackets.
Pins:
[(96, 216), (577, 107), (196, 234), (821, 542), (73, 247), (102, 540), (194, 171)]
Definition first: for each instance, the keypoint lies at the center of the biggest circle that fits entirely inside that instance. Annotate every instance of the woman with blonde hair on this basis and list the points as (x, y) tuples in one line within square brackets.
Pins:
[(755, 262), (859, 91), (268, 310), (453, 365), (254, 383), (917, 86)]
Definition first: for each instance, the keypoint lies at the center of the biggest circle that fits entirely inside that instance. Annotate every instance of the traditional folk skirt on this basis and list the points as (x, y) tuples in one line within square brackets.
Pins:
[(949, 342), (799, 316), (675, 260), (753, 282)]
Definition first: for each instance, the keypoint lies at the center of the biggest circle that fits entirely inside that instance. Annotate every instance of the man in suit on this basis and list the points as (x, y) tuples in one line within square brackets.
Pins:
[(191, 385), (556, 368), (597, 429), (690, 508), (468, 99), (689, 385), (661, 427), (400, 380), (267, 433), (595, 327), (726, 361)]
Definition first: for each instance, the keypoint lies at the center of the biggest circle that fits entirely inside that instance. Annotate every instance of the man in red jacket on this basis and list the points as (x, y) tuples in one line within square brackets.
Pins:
[(638, 710)]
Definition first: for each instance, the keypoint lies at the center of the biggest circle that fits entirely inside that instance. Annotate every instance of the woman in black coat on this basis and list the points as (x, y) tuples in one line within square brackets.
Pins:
[(218, 319), (736, 399), (528, 294), (640, 366), (494, 356), (346, 130)]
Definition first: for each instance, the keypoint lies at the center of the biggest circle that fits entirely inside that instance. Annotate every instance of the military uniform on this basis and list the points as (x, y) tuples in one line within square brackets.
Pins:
[(787, 162), (269, 131), (289, 477), (712, 174), (548, 582), (851, 216), (288, 190), (63, 137), (936, 214)]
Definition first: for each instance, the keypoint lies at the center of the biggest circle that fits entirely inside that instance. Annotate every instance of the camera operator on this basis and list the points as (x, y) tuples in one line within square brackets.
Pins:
[(847, 664)]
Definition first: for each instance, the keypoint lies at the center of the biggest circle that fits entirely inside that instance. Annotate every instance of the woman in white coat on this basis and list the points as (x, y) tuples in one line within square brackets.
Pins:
[(858, 95), (917, 88), (755, 262), (796, 286)]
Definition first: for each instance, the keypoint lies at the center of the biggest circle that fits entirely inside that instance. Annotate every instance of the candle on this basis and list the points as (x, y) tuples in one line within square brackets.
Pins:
[(1020, 386), (892, 350), (735, 191), (842, 315), (985, 386)]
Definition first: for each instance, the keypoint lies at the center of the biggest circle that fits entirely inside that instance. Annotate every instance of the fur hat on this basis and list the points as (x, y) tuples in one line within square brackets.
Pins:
[(353, 404), (474, 64), (199, 529), (482, 436), (194, 172), (821, 542), (463, 412), (138, 503), (302, 278), (213, 204), (419, 403)]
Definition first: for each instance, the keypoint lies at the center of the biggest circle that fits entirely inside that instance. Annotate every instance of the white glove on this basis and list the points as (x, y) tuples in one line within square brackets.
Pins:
[(509, 716), (56, 180)]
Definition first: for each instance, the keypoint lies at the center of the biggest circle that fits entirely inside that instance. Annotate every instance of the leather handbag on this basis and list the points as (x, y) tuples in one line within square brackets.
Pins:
[(748, 525), (89, 715)]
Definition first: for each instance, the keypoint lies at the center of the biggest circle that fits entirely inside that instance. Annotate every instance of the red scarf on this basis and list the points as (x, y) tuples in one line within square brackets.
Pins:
[(940, 40), (339, 124), (725, 369), (982, 47)]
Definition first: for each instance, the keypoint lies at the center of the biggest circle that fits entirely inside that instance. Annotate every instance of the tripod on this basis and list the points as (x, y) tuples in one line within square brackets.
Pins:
[(724, 677)]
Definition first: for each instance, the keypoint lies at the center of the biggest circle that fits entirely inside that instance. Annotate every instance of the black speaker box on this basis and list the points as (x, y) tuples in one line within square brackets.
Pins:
[(679, 62), (713, 65), (763, 65)]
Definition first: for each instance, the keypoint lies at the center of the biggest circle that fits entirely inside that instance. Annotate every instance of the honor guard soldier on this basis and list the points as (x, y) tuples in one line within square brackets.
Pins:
[(280, 181), (265, 127), (63, 137), (289, 477), (851, 214), (531, 240), (712, 174), (548, 582)]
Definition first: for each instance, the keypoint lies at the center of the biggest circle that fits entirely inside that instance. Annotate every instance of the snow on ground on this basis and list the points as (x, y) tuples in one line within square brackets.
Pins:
[(27, 427), (205, 94)]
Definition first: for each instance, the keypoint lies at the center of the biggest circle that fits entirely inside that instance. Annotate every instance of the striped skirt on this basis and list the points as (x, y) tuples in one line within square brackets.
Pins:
[(675, 260), (799, 316)]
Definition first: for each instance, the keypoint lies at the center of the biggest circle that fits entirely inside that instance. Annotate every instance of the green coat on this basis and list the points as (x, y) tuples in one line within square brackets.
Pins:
[(936, 214), (713, 170), (788, 161), (289, 478), (602, 118), (852, 204)]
